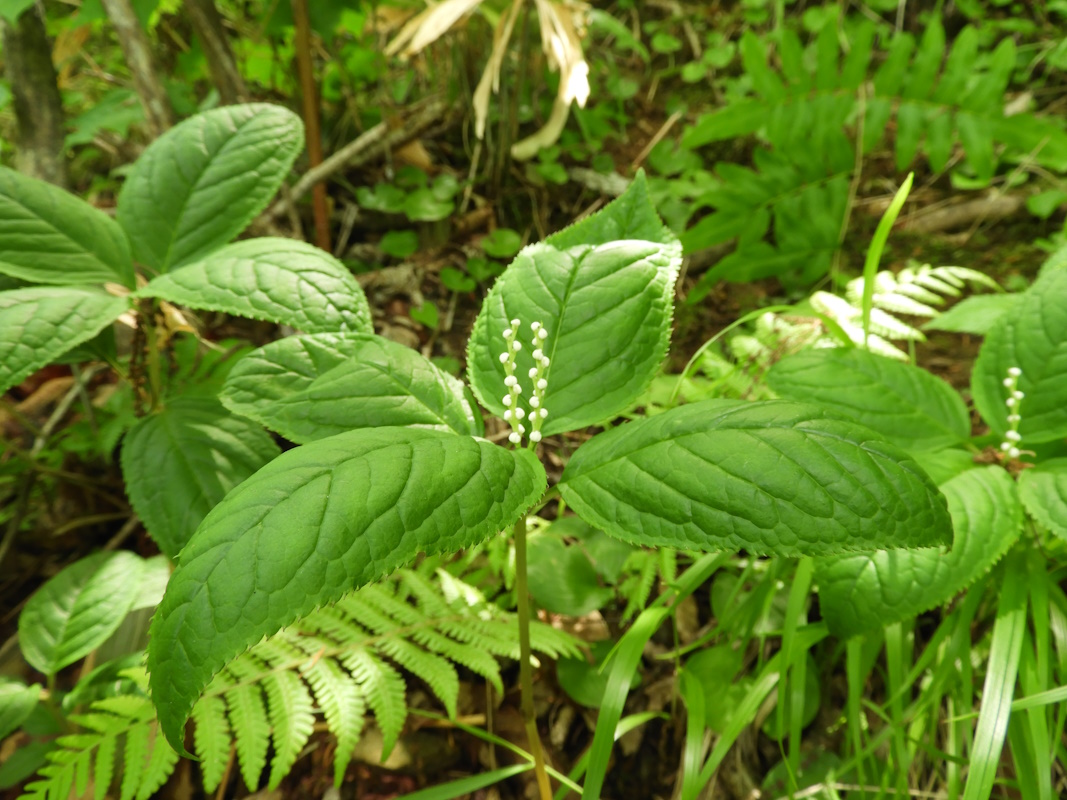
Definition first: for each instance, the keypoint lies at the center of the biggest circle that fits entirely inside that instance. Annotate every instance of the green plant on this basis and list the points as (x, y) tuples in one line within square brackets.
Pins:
[(817, 116), (407, 472)]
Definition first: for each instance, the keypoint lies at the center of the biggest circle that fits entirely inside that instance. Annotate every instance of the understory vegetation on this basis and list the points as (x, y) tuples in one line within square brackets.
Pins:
[(533, 399)]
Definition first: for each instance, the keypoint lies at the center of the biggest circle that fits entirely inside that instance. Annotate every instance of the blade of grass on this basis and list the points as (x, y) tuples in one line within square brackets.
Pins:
[(626, 724), (693, 696), (874, 252), (464, 786), (999, 685), (896, 668), (791, 712)]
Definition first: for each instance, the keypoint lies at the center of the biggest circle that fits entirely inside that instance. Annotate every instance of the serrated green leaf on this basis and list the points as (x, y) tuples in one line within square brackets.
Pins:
[(770, 477), (975, 314), (606, 308), (200, 183), (976, 136), (76, 610), (907, 405), (39, 324), (861, 593), (318, 385), (17, 702), (1033, 338), (179, 463), (280, 280), (314, 524), (629, 216), (48, 235), (1043, 490)]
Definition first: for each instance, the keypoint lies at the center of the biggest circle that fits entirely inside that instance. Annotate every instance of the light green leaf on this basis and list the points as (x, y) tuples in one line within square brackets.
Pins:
[(862, 593), (178, 464), (562, 579), (1043, 490), (280, 280), (314, 524), (907, 405), (976, 314), (11, 10), (313, 386), (770, 477), (17, 702), (629, 216), (39, 324), (1033, 338), (76, 610), (48, 235), (199, 184)]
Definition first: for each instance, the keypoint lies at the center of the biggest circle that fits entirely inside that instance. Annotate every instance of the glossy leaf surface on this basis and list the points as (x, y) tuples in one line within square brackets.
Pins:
[(864, 592), (907, 405), (39, 324), (179, 463), (771, 477), (280, 280), (75, 611), (1033, 337), (314, 524), (48, 235), (318, 385), (200, 183)]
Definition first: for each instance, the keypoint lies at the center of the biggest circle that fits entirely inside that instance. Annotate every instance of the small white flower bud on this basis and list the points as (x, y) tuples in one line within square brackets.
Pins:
[(516, 389), (542, 385), (1010, 402), (503, 358), (1018, 395), (1015, 372), (522, 429), (519, 413), (514, 438), (533, 372), (515, 323), (544, 362), (543, 413), (1013, 418), (1014, 452), (510, 380), (542, 334), (535, 437), (516, 346), (506, 401), (508, 333), (507, 413), (534, 326), (1009, 382), (1013, 436), (1006, 446), (538, 355), (535, 401)]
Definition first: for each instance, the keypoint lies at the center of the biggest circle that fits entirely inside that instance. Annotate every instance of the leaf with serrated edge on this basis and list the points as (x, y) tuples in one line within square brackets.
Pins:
[(630, 216), (318, 385), (907, 405), (862, 593), (770, 477), (314, 524), (1043, 491), (38, 324), (607, 311), (1033, 337), (179, 463), (279, 280), (79, 608), (48, 235), (200, 183)]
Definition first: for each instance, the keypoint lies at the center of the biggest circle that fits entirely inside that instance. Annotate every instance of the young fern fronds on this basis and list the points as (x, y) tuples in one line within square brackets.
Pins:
[(87, 760)]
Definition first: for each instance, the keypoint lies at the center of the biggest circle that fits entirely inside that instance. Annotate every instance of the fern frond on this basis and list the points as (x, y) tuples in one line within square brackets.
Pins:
[(292, 721), (343, 706), (88, 757), (248, 718), (385, 692), (211, 739)]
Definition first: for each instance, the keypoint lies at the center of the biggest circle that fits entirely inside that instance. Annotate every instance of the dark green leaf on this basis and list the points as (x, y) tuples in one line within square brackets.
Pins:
[(311, 526), (199, 184), (907, 405), (48, 235), (858, 594), (179, 463), (318, 385), (1043, 490), (770, 477)]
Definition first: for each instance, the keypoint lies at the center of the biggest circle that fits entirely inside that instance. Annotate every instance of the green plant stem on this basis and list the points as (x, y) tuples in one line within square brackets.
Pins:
[(155, 381), (529, 717)]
